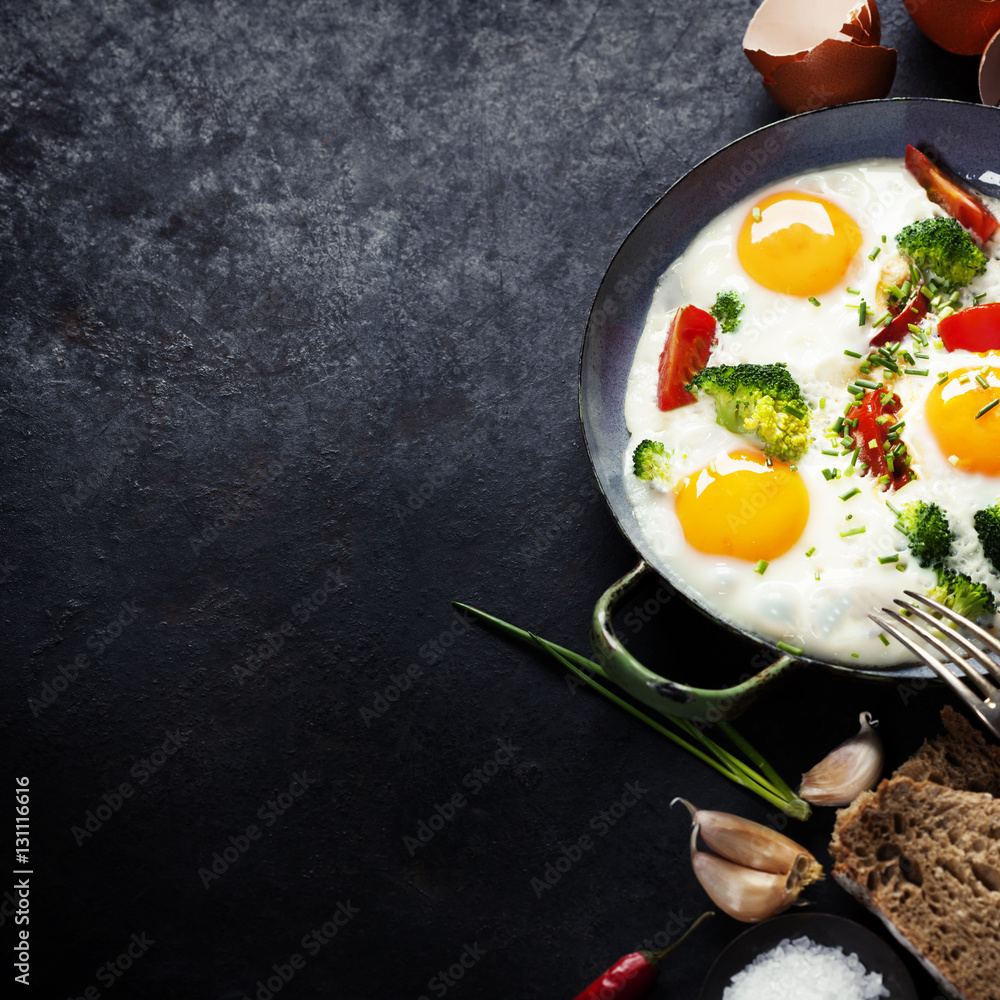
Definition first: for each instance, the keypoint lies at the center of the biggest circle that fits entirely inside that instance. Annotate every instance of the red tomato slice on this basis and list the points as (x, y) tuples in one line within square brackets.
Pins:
[(899, 327), (974, 329), (689, 342), (954, 199), (870, 437)]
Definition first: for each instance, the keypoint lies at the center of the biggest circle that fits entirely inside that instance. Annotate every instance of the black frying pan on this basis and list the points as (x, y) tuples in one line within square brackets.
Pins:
[(966, 137)]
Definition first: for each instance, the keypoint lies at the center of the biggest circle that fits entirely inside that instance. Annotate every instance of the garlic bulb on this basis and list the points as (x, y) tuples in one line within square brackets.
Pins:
[(745, 893), (853, 767), (756, 872)]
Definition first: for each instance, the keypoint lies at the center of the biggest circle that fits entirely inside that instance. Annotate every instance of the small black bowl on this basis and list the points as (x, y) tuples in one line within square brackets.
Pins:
[(823, 928)]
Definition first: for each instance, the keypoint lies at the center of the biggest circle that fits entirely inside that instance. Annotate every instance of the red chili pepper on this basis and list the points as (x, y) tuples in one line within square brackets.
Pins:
[(685, 352), (898, 328), (870, 437), (943, 190), (633, 976), (976, 328)]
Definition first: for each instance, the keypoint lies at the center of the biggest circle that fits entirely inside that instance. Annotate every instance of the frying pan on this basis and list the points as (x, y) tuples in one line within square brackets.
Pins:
[(965, 137)]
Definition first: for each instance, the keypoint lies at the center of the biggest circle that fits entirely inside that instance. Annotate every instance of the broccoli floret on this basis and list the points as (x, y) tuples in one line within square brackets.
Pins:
[(726, 310), (960, 593), (759, 399), (927, 531), (987, 522), (650, 461), (943, 247)]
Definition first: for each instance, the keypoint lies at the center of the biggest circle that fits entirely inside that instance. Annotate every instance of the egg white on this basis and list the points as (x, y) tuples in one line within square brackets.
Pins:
[(818, 603)]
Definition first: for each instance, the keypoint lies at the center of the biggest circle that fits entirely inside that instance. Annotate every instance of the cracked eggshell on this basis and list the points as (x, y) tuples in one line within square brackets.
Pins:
[(960, 26), (815, 53)]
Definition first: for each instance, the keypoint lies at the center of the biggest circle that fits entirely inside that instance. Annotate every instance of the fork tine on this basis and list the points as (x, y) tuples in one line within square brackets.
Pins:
[(988, 640), (989, 690), (932, 661)]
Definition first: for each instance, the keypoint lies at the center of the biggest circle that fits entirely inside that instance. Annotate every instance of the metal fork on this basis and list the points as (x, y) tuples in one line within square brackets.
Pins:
[(988, 709)]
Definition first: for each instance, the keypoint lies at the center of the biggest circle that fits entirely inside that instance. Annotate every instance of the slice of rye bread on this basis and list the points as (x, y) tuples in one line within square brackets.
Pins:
[(959, 758), (926, 860)]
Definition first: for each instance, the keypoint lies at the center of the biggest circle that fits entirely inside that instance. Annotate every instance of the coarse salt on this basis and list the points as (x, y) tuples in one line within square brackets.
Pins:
[(805, 970)]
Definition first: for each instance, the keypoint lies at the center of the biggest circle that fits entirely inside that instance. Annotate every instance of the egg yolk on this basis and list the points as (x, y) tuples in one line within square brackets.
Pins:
[(801, 245), (967, 432), (739, 506)]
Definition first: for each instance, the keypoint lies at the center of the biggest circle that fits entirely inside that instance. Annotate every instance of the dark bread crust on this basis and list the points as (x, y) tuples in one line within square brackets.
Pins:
[(926, 859), (960, 758)]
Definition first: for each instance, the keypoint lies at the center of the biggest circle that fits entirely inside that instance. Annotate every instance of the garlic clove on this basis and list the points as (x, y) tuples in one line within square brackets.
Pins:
[(852, 768), (747, 843), (745, 893)]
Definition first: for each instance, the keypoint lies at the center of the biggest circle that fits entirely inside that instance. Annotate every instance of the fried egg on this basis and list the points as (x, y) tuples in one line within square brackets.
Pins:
[(800, 554)]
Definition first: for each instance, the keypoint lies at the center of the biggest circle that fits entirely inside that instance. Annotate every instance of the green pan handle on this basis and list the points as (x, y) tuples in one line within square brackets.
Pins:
[(655, 691)]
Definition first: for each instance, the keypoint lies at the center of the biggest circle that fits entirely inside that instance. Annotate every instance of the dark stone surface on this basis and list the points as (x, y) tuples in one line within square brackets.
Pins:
[(292, 302)]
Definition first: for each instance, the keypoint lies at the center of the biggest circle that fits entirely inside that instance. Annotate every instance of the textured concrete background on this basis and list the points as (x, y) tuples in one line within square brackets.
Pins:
[(292, 302)]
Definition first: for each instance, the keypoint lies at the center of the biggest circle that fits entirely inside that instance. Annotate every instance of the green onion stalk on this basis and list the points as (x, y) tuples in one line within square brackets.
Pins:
[(758, 776)]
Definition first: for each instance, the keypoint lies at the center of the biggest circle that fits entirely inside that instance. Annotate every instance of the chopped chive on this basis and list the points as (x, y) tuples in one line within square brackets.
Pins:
[(857, 291), (885, 560), (850, 493), (867, 383), (873, 443), (760, 567), (883, 238), (855, 390), (892, 508), (895, 291), (862, 312), (925, 357), (946, 312), (854, 458), (786, 648), (915, 274), (942, 377), (856, 655), (814, 300), (811, 551), (986, 409), (822, 403), (917, 371), (883, 320), (851, 354), (886, 398), (838, 424), (755, 213), (852, 531), (908, 358), (829, 474), (981, 380), (883, 480), (905, 289), (885, 641), (874, 253), (975, 298), (883, 418), (830, 451)]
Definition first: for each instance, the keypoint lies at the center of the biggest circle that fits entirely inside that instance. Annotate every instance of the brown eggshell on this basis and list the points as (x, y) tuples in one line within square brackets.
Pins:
[(989, 73), (814, 54), (834, 72), (960, 26)]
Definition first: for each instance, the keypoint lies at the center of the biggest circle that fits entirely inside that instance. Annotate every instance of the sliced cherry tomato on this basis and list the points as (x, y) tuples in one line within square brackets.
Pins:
[(685, 353), (898, 328), (870, 437), (974, 329), (943, 190)]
